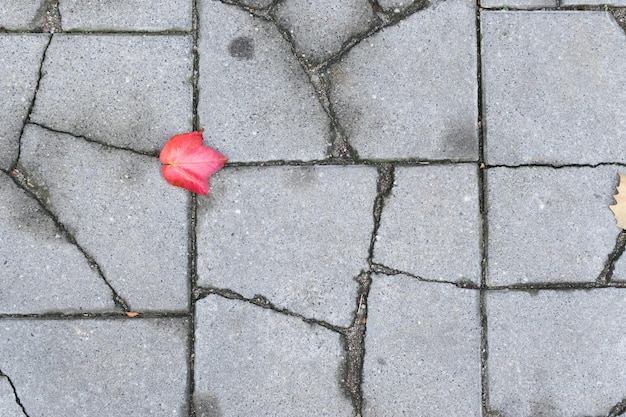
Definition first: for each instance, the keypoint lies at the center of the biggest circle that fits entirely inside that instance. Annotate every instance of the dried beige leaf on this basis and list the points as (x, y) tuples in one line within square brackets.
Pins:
[(619, 208)]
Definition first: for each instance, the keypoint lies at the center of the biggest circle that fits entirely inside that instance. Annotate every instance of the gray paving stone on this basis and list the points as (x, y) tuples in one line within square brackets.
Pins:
[(296, 235), (22, 14), (395, 5), (50, 274), (256, 102), (131, 15), (257, 4), (97, 367), (129, 91), (593, 2), (126, 217), (321, 27), (252, 362), (549, 225), (518, 4), (410, 91), (430, 224), (8, 404), (554, 353), (422, 350), (553, 87), (20, 56)]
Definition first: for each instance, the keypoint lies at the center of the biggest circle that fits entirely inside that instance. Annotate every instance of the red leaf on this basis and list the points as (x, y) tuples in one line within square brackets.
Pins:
[(189, 164)]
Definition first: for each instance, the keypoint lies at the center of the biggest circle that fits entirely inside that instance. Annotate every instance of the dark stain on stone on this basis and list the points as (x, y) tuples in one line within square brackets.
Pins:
[(459, 143), (242, 47), (206, 405)]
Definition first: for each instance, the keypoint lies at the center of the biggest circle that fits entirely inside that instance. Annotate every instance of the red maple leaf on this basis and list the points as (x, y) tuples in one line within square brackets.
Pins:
[(189, 164)]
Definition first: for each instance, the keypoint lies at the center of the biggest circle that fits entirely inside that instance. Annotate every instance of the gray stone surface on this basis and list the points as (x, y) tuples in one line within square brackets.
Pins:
[(519, 4), (128, 91), (132, 15), (257, 4), (410, 91), (422, 350), (593, 2), (126, 217), (8, 404), (251, 362), (97, 367), (20, 56), (22, 14), (556, 353), (549, 225), (321, 27), (296, 235), (244, 59), (554, 87), (430, 224), (51, 274), (395, 5)]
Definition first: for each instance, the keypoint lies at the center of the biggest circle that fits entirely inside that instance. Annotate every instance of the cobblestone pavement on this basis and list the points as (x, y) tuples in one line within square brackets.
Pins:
[(413, 221)]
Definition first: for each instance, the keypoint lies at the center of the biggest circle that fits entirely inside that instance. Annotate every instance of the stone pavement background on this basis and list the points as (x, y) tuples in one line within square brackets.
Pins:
[(413, 220)]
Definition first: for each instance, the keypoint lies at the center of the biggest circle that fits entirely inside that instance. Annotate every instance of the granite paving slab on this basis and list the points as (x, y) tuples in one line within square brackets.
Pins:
[(9, 407), (549, 225), (252, 361), (306, 254), (556, 353), (20, 58), (519, 4), (21, 15), (422, 349), (127, 218), (129, 91), (554, 87), (97, 367)]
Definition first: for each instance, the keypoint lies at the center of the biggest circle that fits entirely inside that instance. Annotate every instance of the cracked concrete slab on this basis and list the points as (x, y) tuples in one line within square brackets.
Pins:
[(75, 368), (306, 254), (21, 15), (127, 217), (8, 404), (549, 225), (51, 274), (254, 361), (553, 87), (320, 28), (410, 90), (430, 224), (556, 353), (128, 15), (137, 99), (20, 56), (422, 349), (244, 59)]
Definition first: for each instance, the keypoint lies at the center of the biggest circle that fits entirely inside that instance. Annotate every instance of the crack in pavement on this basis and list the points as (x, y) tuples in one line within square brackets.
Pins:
[(14, 388), (607, 272)]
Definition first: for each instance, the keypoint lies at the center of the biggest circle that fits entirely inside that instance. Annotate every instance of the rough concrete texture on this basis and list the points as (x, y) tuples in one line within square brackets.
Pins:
[(8, 404), (396, 5), (618, 3), (321, 27), (136, 99), (410, 90), (556, 353), (305, 255), (619, 273), (251, 361), (549, 225), (127, 217), (22, 14), (129, 15), (51, 274), (20, 56), (554, 87), (76, 368), (519, 4), (430, 225), (244, 59), (422, 349), (256, 4)]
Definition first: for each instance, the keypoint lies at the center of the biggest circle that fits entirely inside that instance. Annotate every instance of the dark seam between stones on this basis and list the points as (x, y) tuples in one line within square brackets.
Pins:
[(95, 141), (32, 103), (609, 267), (618, 409), (557, 166), (14, 388), (122, 32), (263, 302), (97, 316), (555, 286), (117, 299), (385, 270)]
